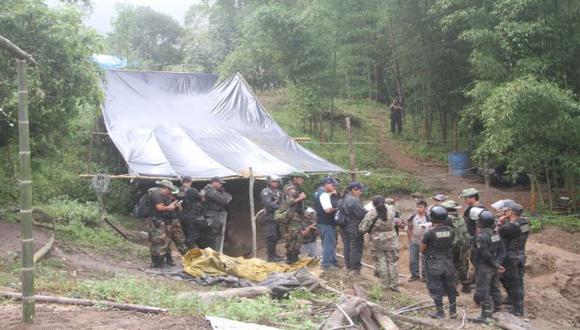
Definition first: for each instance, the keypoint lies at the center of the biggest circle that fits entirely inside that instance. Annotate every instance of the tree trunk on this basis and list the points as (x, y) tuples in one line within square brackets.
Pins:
[(548, 183)]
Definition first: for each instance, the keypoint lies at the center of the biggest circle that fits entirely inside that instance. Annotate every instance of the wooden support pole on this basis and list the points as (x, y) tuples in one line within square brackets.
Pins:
[(350, 150), (486, 201), (253, 215), (25, 184)]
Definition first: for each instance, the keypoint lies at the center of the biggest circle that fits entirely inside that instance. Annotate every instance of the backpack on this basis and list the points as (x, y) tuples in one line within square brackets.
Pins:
[(142, 209), (281, 215), (340, 215)]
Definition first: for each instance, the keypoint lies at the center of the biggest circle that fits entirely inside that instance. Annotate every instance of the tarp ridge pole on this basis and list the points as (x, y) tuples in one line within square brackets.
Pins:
[(253, 214), (25, 185), (350, 150)]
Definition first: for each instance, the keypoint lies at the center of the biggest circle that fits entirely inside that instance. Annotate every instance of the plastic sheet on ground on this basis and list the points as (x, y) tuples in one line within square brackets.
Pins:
[(198, 262), (219, 323)]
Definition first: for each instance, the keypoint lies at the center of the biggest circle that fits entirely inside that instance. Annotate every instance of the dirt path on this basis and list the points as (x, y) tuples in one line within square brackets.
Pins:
[(436, 177), (71, 317)]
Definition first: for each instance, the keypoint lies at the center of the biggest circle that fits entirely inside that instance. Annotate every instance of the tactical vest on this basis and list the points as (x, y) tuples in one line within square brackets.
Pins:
[(525, 228), (443, 242), (382, 237), (493, 242), (512, 243)]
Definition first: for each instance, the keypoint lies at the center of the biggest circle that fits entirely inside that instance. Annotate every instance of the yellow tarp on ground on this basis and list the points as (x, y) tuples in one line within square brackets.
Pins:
[(198, 262)]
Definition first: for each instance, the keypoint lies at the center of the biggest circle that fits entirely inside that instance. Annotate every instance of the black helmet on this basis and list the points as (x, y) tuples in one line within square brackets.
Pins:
[(438, 213), (486, 219)]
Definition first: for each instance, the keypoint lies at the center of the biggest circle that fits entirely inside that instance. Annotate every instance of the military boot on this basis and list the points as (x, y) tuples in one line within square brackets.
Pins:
[(485, 317), (439, 313), (517, 310), (452, 307), (156, 261), (169, 259)]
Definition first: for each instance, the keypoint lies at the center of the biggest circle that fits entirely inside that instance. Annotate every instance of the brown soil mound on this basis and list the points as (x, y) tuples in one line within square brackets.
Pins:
[(68, 317), (10, 244)]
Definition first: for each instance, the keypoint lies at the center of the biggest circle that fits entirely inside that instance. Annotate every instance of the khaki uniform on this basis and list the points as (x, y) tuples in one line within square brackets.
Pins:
[(460, 248), (384, 246)]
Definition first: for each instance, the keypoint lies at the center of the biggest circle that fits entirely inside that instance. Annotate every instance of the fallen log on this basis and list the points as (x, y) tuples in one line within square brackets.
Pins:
[(347, 310), (384, 321), (43, 250), (88, 302), (508, 321), (365, 312), (210, 297)]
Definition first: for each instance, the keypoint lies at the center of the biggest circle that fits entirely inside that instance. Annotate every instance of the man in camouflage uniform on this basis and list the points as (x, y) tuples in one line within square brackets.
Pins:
[(216, 211), (383, 241), (290, 217), (163, 225), (471, 215), (271, 198), (460, 244)]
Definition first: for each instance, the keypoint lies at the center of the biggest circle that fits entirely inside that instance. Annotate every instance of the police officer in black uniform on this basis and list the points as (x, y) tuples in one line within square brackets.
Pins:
[(271, 198), (437, 246), (191, 214), (512, 236), (489, 254)]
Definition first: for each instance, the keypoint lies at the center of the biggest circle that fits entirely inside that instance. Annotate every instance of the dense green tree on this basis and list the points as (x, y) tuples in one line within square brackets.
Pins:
[(64, 80), (148, 39)]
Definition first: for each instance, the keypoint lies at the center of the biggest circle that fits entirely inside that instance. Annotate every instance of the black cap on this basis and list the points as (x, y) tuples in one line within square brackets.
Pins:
[(356, 185), (217, 179), (328, 181)]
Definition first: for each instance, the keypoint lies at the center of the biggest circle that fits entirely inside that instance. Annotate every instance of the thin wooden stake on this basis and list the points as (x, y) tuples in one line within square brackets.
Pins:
[(253, 215), (25, 184), (350, 150)]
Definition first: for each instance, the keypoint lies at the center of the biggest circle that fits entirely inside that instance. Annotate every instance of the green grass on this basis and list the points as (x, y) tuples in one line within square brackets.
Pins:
[(569, 223), (369, 157)]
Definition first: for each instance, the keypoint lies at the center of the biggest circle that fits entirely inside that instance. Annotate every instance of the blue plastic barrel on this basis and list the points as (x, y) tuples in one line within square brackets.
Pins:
[(458, 162)]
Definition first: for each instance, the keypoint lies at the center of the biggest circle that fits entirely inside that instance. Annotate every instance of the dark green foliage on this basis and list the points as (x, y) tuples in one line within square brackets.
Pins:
[(148, 39)]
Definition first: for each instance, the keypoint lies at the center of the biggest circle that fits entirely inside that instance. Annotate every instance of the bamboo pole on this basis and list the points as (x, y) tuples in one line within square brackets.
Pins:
[(253, 215), (25, 184), (15, 51), (350, 150)]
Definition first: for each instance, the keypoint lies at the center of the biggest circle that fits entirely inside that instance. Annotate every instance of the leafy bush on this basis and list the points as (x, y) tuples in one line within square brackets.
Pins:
[(66, 211)]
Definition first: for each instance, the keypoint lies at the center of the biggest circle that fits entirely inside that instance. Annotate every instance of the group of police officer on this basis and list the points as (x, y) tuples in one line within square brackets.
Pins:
[(188, 217), (495, 248)]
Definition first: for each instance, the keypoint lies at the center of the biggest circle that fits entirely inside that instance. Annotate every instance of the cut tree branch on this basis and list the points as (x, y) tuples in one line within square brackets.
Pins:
[(15, 51), (88, 302), (43, 250)]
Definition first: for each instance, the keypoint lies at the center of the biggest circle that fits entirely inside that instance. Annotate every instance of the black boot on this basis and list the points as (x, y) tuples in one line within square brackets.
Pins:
[(156, 261), (517, 310), (169, 259), (452, 307), (484, 318), (439, 313)]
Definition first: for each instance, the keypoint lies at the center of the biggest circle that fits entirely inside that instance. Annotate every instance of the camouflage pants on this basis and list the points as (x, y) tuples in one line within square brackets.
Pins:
[(174, 233), (159, 244), (387, 266), (293, 240), (461, 263)]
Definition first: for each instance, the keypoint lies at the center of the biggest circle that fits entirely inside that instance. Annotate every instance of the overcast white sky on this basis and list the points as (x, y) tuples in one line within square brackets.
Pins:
[(103, 10)]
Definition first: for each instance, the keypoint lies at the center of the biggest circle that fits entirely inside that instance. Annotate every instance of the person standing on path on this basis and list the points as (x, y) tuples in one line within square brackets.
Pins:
[(191, 214), (417, 224), (353, 240), (396, 116), (471, 216), (460, 244), (383, 242), (437, 246), (326, 206)]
